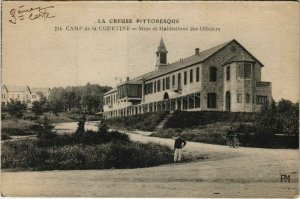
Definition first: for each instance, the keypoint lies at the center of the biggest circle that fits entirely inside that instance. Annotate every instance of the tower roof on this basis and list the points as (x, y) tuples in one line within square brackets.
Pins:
[(161, 48)]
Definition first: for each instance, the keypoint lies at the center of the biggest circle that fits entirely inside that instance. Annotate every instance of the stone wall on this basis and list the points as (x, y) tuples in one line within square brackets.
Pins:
[(235, 85)]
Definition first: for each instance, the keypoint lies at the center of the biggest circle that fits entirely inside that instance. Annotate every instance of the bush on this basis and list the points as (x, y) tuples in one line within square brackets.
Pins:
[(75, 110), (5, 136), (28, 155), (252, 136)]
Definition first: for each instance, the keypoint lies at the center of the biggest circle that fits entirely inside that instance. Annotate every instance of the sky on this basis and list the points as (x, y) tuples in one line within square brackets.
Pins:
[(35, 54)]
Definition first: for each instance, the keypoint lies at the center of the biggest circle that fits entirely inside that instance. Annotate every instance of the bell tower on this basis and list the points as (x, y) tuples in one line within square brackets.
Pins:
[(161, 55)]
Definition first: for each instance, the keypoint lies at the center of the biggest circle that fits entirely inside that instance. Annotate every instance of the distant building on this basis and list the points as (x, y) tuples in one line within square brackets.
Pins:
[(23, 93), (226, 77)]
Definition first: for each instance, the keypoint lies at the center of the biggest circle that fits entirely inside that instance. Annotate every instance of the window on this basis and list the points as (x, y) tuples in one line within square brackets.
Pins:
[(164, 84), (213, 74), (197, 74), (145, 90), (191, 75), (197, 100), (155, 87), (173, 80), (228, 73), (185, 78), (244, 70), (191, 102), (163, 58), (261, 99), (211, 100), (148, 89), (247, 98), (247, 70), (179, 81), (239, 98), (158, 85), (168, 83), (151, 87)]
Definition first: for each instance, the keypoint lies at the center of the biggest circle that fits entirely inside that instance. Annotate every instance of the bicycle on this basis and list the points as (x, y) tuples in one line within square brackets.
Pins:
[(232, 141)]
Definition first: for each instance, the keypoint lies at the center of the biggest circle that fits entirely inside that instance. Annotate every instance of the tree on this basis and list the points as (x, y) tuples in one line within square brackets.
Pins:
[(47, 131), (80, 129), (268, 117), (285, 105), (281, 118), (85, 98), (16, 108), (38, 107), (103, 127)]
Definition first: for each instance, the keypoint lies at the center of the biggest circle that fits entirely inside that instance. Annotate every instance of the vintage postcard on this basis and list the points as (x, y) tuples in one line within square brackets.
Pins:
[(150, 99)]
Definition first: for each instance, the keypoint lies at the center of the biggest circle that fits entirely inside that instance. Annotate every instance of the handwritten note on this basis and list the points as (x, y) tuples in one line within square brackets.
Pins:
[(22, 13)]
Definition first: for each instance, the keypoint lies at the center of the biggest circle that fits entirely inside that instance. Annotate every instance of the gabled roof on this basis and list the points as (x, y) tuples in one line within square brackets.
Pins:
[(42, 90), (10, 88), (111, 91), (161, 47), (240, 58), (192, 60)]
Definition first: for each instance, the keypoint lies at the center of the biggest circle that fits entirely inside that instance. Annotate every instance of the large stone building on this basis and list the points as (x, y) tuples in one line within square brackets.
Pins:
[(226, 77), (24, 94)]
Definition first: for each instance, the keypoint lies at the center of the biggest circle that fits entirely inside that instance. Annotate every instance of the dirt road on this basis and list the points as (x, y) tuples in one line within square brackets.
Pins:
[(228, 172)]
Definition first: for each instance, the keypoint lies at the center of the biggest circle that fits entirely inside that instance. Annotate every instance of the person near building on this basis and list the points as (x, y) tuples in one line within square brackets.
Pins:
[(178, 145)]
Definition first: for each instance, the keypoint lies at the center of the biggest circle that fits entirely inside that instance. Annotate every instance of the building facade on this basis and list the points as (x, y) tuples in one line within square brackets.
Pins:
[(24, 94), (226, 77)]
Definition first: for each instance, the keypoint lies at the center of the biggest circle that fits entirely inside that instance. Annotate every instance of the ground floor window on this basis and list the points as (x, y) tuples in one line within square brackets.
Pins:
[(185, 104), (173, 105), (197, 100), (211, 100), (239, 98), (191, 102), (261, 99), (247, 98)]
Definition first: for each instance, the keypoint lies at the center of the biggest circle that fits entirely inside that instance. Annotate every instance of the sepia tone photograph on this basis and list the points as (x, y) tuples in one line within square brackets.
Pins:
[(150, 99)]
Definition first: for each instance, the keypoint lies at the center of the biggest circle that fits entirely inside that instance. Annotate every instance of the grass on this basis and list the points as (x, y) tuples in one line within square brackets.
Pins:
[(186, 119), (212, 133), (73, 117), (18, 127), (248, 135), (145, 122)]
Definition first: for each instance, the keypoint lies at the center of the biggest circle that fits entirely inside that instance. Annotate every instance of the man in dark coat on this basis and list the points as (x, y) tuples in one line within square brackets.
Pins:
[(179, 144)]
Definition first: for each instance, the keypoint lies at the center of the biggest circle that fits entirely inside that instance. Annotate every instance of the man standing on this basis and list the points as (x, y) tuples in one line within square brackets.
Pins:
[(179, 144)]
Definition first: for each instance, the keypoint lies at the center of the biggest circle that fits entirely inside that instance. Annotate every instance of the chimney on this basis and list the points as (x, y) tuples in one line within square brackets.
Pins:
[(197, 50), (127, 78)]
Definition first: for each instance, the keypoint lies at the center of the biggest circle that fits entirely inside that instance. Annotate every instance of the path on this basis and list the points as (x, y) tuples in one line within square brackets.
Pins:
[(243, 172)]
